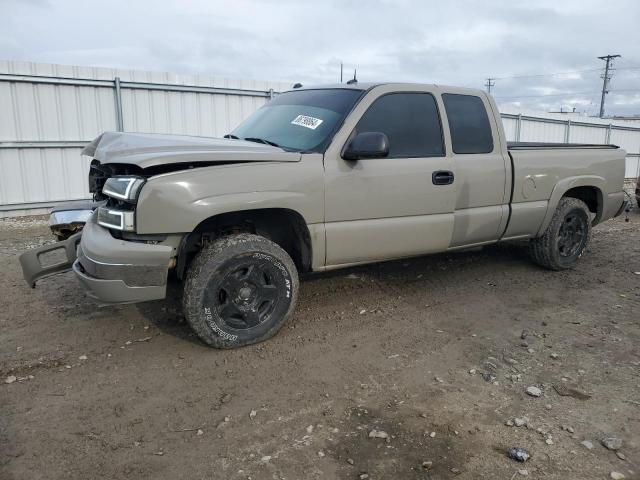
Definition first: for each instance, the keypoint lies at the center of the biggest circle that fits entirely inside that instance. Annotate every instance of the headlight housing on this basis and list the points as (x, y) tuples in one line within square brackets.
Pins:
[(123, 188), (119, 219)]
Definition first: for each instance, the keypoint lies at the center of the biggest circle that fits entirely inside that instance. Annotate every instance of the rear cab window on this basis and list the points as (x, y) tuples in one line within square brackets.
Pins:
[(409, 120), (468, 123)]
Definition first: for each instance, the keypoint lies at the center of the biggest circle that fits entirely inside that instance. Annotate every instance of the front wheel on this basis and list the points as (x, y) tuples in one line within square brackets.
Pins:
[(239, 290), (566, 237)]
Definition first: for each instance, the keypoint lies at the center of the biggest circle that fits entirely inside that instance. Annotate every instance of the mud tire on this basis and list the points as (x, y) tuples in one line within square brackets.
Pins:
[(226, 271), (550, 249)]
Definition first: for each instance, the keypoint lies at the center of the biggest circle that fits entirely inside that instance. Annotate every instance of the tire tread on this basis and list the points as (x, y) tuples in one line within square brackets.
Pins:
[(541, 249), (214, 253)]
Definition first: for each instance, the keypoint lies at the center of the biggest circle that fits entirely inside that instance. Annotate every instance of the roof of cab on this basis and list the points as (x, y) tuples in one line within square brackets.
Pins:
[(365, 86), (352, 86), (368, 85)]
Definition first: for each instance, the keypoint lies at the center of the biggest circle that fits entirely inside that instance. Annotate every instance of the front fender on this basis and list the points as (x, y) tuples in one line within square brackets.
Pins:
[(178, 202), (566, 184)]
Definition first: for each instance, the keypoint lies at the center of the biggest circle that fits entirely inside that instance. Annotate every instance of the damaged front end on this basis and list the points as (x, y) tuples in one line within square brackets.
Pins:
[(67, 220), (66, 223), (121, 165)]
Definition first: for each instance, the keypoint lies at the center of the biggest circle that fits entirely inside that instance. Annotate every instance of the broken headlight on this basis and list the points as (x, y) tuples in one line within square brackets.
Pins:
[(123, 188)]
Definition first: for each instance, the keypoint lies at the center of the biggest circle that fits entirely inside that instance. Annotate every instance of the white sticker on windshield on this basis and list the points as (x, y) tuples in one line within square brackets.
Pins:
[(307, 122)]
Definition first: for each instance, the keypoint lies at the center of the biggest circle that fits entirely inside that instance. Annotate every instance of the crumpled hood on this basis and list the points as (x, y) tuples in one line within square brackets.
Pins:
[(150, 149)]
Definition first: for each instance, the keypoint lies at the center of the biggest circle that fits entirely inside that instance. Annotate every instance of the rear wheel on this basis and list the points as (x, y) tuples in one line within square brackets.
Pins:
[(566, 237), (239, 290)]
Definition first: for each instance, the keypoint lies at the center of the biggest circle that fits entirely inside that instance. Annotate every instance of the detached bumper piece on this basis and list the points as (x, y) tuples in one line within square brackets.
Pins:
[(35, 265), (116, 271)]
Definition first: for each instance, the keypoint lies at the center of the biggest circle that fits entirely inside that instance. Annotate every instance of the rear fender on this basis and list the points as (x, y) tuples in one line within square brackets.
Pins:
[(566, 184)]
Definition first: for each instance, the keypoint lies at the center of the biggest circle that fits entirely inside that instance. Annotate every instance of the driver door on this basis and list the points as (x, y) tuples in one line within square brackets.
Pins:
[(398, 206)]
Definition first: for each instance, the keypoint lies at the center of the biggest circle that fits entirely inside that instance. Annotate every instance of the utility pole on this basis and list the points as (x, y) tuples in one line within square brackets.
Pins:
[(490, 83), (605, 79), (340, 72)]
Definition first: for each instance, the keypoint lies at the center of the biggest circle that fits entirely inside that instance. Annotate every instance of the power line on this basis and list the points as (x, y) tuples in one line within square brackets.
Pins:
[(569, 72), (623, 90), (549, 95), (536, 75), (612, 92), (491, 82), (605, 79), (611, 69)]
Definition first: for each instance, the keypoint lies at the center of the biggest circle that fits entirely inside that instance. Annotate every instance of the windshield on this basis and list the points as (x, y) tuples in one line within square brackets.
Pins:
[(304, 120)]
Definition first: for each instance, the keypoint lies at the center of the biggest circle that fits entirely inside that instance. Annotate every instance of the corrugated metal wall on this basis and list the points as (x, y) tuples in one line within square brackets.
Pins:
[(48, 112), (543, 128)]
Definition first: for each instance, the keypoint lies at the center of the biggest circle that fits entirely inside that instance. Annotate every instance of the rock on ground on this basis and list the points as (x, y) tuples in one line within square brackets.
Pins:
[(612, 443), (534, 391)]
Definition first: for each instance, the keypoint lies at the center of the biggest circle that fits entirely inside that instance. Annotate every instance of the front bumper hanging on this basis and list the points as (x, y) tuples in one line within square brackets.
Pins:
[(111, 270), (35, 266), (66, 223)]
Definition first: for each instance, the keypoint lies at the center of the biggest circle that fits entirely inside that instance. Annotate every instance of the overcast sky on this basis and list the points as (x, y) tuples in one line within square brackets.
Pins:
[(448, 42)]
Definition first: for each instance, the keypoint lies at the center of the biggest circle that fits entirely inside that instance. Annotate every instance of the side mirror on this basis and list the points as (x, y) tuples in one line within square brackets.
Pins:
[(367, 145)]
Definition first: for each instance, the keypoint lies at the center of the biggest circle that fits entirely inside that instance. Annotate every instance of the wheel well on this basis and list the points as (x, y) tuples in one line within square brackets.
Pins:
[(591, 196), (285, 227)]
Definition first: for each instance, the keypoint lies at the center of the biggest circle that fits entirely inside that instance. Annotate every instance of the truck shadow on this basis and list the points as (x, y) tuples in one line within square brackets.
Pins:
[(419, 269), (420, 272), (167, 315)]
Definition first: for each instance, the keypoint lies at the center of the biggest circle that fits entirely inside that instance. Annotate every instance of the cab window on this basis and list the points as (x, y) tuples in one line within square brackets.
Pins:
[(409, 120), (468, 123)]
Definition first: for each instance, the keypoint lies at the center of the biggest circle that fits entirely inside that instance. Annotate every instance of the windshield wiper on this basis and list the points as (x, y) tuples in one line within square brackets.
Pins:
[(234, 137), (261, 140)]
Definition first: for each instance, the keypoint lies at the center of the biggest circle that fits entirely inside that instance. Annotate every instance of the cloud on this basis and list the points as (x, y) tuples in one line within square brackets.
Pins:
[(458, 42)]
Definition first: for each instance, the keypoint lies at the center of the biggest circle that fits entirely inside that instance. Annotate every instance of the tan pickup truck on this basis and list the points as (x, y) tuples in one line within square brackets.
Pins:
[(322, 178)]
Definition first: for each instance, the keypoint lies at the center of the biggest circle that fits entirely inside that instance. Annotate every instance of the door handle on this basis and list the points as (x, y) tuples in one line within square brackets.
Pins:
[(442, 177)]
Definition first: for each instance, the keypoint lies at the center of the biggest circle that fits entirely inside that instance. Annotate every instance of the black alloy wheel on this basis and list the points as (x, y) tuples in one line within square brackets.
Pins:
[(239, 290), (566, 237), (573, 234)]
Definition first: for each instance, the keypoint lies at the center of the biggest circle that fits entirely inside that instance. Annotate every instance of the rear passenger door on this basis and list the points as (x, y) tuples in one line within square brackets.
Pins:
[(384, 208), (480, 165)]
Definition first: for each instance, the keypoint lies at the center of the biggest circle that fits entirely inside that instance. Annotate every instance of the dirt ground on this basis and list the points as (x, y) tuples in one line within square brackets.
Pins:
[(128, 392)]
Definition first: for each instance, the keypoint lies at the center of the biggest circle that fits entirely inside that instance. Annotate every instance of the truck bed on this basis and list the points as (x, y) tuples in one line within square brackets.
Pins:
[(563, 146), (541, 171)]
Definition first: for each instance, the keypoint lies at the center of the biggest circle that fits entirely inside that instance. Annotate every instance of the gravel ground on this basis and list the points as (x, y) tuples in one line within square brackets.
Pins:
[(434, 353)]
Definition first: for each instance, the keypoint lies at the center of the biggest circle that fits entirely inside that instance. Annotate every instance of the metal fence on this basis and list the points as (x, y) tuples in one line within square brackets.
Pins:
[(525, 128), (49, 112)]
